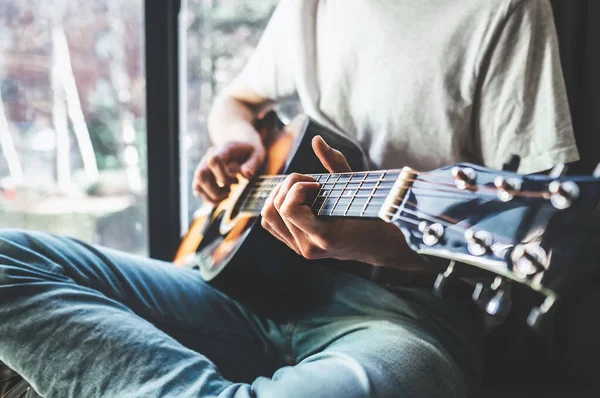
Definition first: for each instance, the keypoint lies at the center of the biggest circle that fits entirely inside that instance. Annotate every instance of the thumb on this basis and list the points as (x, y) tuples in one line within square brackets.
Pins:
[(333, 160)]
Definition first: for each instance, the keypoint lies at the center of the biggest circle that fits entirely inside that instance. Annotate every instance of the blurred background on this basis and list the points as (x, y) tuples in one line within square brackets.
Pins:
[(103, 108), (73, 125)]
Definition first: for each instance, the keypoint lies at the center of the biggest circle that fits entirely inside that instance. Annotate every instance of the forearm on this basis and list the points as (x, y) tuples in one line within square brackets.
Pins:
[(231, 119)]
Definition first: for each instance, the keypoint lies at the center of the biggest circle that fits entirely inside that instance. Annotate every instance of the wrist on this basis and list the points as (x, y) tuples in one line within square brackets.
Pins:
[(387, 247)]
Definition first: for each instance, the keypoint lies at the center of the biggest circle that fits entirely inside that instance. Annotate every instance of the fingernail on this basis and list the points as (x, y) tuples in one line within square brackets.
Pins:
[(221, 184), (246, 172)]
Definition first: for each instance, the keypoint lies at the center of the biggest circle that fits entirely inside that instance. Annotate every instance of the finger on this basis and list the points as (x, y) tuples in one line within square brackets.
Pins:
[(333, 160), (272, 220), (295, 210), (287, 184), (301, 222), (291, 244), (249, 155), (250, 167), (197, 181), (200, 193), (221, 176), (206, 182), (233, 169)]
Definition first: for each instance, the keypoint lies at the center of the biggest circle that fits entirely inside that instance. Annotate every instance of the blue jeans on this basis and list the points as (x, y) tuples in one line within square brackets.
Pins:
[(81, 321)]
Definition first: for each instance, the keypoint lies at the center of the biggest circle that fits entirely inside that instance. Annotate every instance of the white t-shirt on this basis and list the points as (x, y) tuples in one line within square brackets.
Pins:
[(424, 83)]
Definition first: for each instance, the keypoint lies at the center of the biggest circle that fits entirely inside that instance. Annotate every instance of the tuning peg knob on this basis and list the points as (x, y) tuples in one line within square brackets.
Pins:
[(563, 194), (479, 242), (431, 233), (463, 176), (507, 188), (529, 260)]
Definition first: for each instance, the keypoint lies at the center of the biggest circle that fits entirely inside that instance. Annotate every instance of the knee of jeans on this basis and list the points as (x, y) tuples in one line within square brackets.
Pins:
[(22, 257), (429, 371), (322, 375)]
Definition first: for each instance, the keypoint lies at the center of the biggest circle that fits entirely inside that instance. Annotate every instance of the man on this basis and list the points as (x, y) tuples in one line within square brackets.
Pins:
[(423, 84)]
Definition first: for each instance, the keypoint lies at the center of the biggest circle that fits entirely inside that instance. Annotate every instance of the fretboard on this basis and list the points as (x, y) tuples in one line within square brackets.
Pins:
[(341, 194)]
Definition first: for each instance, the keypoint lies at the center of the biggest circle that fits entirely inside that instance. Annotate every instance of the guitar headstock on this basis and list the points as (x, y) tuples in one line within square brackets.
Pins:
[(534, 230)]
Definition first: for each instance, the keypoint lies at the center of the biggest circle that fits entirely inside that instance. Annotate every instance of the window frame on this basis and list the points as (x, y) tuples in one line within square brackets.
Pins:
[(162, 93)]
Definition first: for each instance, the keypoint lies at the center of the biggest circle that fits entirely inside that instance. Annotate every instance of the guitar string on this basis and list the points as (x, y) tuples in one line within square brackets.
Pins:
[(419, 213), (450, 223), (436, 218), (482, 189), (444, 220), (321, 194), (453, 222), (255, 192)]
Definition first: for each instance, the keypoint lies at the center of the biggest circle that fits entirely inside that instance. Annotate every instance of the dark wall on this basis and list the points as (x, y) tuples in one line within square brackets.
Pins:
[(578, 26)]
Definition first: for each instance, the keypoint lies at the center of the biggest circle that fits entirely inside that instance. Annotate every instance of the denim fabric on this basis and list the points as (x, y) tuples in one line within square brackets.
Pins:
[(83, 321)]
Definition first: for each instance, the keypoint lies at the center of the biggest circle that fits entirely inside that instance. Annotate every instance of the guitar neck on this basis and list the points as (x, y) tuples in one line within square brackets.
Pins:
[(360, 194)]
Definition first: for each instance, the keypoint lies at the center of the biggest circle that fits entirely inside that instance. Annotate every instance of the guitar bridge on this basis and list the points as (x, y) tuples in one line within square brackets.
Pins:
[(396, 196)]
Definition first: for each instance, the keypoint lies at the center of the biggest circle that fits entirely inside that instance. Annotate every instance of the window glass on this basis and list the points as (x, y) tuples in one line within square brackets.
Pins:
[(218, 37), (72, 120)]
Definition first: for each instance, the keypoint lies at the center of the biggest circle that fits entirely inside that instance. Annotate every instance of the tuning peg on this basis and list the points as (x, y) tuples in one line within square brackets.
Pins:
[(479, 242), (597, 171), (559, 170), (495, 299), (512, 164), (441, 282), (529, 260), (537, 316), (481, 294), (431, 233), (499, 305), (506, 188), (463, 176), (563, 194)]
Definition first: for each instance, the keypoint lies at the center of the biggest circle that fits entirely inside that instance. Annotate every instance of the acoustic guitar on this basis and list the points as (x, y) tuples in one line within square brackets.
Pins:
[(533, 230)]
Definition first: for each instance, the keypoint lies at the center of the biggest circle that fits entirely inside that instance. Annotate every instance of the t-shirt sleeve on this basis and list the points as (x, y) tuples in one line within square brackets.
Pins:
[(267, 71), (523, 101)]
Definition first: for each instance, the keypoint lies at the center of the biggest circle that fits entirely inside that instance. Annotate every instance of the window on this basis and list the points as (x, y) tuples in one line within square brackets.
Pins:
[(217, 38), (72, 120)]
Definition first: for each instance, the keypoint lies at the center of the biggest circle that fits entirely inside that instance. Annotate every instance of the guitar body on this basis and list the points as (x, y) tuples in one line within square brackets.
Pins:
[(231, 249)]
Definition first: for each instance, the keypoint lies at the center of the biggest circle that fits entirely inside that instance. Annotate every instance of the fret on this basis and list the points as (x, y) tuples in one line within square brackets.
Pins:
[(312, 206), (357, 190), (372, 193), (356, 185), (329, 194), (354, 209), (253, 200), (343, 177), (340, 194), (244, 204)]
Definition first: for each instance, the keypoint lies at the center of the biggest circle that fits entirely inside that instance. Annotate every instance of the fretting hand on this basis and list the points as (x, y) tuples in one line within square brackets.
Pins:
[(288, 218)]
